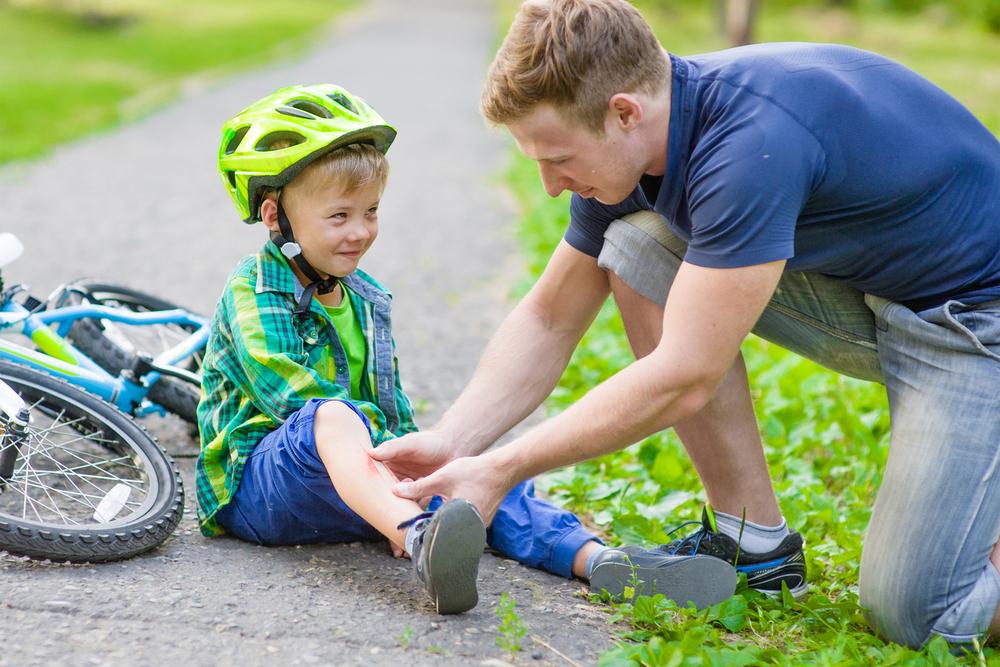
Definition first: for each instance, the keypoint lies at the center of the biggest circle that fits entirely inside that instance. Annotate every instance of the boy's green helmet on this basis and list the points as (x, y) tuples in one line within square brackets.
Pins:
[(267, 144)]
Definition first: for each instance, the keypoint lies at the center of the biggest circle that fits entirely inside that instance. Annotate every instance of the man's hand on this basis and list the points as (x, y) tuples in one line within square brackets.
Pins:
[(416, 455), (475, 478)]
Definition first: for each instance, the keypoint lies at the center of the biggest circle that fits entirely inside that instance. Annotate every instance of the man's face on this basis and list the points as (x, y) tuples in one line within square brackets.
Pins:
[(571, 157)]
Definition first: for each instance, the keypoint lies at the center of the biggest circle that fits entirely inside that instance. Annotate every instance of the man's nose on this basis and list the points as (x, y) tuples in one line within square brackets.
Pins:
[(551, 181)]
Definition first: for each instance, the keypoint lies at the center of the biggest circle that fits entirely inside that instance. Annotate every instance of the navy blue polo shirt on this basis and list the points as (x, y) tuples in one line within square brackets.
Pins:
[(838, 160)]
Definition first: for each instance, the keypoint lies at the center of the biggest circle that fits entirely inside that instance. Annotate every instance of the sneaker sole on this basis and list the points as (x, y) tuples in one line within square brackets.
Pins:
[(453, 560), (703, 580), (798, 592)]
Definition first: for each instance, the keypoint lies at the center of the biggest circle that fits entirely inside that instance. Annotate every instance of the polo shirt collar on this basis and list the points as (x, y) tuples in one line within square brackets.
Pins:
[(679, 141)]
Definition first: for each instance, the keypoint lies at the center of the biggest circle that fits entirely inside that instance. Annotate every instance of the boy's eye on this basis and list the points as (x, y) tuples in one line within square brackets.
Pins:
[(373, 210), (340, 215)]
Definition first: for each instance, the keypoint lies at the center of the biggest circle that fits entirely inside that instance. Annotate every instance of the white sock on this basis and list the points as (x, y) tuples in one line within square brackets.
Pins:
[(756, 538), (413, 533), (589, 567)]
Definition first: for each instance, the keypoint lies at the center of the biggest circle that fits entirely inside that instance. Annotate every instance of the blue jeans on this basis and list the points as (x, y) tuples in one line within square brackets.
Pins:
[(286, 497), (925, 568)]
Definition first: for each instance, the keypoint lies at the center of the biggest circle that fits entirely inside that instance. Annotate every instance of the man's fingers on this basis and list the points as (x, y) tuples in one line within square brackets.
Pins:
[(414, 490), (383, 452)]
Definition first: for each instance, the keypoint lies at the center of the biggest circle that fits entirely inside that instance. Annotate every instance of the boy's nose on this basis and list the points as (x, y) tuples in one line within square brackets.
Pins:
[(359, 232)]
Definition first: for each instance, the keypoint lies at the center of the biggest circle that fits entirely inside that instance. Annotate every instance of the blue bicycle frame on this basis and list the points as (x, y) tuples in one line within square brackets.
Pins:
[(58, 357)]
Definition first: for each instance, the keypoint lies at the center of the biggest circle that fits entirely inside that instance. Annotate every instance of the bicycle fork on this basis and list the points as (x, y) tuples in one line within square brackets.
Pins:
[(13, 431)]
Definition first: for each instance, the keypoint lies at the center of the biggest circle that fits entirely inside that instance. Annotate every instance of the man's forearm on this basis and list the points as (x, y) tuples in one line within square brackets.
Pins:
[(631, 405), (519, 368)]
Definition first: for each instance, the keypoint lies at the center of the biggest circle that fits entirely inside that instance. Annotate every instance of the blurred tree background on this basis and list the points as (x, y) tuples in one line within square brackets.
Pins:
[(736, 17)]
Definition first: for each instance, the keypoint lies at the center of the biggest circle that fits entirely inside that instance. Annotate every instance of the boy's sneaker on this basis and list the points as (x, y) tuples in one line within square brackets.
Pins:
[(446, 554), (702, 580), (765, 571)]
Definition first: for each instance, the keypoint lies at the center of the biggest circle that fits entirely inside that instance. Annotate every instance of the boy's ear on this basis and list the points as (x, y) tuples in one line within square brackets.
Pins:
[(627, 110), (269, 213)]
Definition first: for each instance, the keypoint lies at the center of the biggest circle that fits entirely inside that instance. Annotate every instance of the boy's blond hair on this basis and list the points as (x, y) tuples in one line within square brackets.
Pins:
[(573, 54), (351, 167)]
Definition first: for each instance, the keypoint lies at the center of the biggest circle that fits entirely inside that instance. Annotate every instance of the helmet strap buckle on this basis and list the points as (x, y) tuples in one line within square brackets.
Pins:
[(290, 249)]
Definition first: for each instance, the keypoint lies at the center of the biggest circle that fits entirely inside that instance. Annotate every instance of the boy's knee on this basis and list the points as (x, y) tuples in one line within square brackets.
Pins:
[(337, 417)]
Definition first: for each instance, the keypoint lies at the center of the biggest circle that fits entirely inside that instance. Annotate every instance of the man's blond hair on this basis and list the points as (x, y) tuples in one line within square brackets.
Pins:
[(573, 54)]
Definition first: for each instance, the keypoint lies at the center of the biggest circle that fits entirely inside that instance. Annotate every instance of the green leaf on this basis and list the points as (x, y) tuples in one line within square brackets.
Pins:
[(732, 613)]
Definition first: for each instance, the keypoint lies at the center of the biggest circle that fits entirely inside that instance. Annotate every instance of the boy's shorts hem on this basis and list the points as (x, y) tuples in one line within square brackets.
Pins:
[(565, 550)]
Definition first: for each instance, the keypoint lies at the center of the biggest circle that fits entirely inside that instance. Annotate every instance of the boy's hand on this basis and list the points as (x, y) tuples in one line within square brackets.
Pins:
[(416, 455), (474, 478)]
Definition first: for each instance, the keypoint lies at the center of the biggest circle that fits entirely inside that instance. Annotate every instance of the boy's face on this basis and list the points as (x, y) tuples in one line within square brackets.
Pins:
[(334, 228), (571, 157)]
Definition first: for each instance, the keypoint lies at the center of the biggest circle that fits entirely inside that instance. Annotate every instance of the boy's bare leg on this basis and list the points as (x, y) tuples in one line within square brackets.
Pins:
[(580, 559), (722, 439), (363, 483)]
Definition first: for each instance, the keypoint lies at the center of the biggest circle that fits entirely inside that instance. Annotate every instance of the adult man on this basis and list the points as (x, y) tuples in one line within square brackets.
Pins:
[(825, 197)]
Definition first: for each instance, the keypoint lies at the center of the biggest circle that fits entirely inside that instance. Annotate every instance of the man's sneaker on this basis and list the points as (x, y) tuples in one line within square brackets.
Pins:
[(765, 571), (446, 554), (702, 580)]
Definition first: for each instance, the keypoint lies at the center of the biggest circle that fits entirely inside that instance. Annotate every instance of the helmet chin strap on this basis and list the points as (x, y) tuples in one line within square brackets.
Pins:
[(285, 241)]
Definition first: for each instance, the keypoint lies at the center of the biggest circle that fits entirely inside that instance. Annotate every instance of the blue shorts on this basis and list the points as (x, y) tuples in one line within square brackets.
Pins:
[(286, 497)]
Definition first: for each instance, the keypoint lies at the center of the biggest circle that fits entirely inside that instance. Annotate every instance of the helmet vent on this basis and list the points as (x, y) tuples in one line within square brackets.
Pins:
[(278, 140), (342, 100), (234, 143), (309, 107), (231, 175), (298, 113)]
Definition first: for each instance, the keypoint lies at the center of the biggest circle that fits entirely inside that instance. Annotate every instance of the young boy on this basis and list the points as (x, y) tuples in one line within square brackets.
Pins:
[(300, 375)]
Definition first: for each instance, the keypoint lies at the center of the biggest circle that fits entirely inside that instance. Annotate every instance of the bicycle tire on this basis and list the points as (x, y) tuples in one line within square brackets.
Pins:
[(106, 449), (90, 337)]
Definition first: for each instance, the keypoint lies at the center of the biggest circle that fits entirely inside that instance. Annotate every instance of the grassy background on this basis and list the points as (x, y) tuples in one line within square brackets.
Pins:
[(826, 435), (68, 68)]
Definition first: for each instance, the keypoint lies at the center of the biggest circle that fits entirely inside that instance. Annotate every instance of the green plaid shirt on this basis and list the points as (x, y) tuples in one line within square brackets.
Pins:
[(263, 363)]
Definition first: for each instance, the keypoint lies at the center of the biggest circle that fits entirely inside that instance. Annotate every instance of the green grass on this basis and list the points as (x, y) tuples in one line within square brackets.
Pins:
[(63, 74), (826, 435)]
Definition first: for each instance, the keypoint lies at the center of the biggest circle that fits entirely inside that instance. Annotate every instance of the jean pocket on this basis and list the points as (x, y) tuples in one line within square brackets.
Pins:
[(980, 325)]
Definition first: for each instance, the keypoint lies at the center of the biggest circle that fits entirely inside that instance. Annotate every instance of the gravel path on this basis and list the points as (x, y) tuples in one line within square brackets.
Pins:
[(142, 205)]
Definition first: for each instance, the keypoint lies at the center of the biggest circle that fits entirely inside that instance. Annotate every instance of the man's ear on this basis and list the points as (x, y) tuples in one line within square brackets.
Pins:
[(269, 213), (627, 110)]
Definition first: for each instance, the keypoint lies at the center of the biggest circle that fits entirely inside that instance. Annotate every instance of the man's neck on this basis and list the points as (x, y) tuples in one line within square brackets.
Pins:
[(659, 126)]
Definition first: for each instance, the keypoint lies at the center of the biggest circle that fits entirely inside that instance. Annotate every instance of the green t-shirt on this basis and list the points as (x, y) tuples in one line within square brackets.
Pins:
[(351, 337)]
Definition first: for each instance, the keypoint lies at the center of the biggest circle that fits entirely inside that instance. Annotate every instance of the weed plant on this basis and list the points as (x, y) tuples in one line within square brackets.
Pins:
[(511, 629), (826, 436)]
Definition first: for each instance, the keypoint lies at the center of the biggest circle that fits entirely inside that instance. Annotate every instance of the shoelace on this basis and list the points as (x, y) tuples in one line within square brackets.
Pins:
[(693, 540), (420, 517)]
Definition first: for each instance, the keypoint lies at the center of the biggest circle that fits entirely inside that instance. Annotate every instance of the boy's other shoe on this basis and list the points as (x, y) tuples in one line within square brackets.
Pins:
[(446, 555), (702, 580), (765, 571)]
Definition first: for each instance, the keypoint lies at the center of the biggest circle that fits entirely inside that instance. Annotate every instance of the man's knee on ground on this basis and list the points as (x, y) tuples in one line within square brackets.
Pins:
[(901, 606)]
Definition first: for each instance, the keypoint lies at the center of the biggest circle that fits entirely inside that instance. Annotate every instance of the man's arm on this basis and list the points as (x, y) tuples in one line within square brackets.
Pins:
[(519, 368), (708, 314)]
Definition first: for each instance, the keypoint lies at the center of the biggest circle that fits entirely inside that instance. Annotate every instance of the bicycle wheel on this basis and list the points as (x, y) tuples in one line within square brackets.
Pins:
[(114, 345), (88, 483)]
